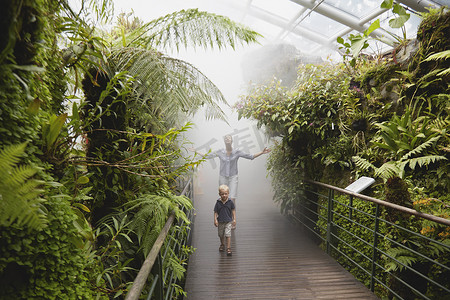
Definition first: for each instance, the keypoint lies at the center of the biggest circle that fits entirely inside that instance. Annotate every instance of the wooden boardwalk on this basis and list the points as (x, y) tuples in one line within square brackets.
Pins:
[(271, 259)]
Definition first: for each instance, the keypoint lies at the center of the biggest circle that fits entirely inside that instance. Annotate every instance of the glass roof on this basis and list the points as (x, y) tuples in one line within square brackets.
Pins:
[(312, 26)]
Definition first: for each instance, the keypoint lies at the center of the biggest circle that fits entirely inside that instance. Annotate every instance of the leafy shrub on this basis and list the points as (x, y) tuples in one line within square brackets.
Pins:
[(45, 264)]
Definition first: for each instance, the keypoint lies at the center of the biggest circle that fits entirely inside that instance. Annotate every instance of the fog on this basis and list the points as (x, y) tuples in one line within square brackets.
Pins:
[(224, 69)]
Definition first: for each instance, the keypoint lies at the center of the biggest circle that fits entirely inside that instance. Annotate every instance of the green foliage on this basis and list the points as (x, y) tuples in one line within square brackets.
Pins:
[(408, 143), (359, 42), (21, 204), (285, 178), (45, 264), (163, 87), (382, 119), (151, 213), (200, 29), (347, 230)]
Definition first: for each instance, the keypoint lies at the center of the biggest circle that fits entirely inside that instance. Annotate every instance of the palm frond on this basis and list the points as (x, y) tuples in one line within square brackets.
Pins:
[(19, 193), (193, 28)]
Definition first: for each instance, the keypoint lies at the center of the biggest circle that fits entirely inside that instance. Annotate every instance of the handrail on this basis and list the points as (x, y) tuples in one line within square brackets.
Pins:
[(391, 255), (407, 210), (141, 279)]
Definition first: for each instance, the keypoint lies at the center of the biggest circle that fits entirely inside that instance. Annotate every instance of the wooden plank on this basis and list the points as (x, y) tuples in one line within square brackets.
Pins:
[(271, 259)]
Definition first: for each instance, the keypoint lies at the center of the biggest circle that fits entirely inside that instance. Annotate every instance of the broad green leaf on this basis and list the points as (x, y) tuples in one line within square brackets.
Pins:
[(387, 4), (358, 43), (399, 21), (83, 180), (56, 125), (82, 207), (375, 25)]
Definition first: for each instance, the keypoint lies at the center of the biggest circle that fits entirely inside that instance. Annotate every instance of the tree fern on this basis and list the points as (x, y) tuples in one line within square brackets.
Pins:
[(19, 193), (165, 88), (193, 28)]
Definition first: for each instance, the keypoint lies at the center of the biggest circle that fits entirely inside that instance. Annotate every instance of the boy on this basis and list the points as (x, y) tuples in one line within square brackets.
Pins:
[(224, 218)]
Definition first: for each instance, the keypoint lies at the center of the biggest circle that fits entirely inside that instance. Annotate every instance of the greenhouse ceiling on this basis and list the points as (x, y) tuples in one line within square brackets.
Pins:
[(311, 25), (314, 25)]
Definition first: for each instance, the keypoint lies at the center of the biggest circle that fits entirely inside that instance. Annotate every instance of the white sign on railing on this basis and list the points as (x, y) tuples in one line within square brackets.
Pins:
[(360, 185)]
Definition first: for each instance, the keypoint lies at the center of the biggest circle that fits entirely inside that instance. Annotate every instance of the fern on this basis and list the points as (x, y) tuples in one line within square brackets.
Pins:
[(440, 55), (151, 213), (388, 170), (363, 163), (420, 149), (19, 193), (401, 258), (424, 160)]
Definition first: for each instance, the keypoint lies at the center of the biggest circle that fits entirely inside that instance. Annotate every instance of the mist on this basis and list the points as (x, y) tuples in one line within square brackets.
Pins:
[(226, 68)]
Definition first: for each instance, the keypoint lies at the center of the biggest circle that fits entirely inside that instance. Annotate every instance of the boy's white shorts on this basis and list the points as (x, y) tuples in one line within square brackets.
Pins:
[(224, 229)]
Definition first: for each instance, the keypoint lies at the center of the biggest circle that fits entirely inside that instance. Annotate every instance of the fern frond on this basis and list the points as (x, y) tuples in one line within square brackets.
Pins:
[(419, 149), (424, 160), (440, 55), (387, 170), (10, 156), (151, 213), (444, 72), (363, 163), (19, 193), (403, 258), (193, 28), (164, 87)]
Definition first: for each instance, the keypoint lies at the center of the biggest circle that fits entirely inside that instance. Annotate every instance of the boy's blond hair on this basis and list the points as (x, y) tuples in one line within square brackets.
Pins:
[(224, 187)]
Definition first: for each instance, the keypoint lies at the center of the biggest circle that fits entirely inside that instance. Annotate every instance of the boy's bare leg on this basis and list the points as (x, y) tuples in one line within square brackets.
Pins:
[(228, 246)]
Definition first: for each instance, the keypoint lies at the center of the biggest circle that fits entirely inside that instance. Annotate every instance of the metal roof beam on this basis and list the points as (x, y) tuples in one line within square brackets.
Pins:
[(280, 22), (342, 17), (419, 5)]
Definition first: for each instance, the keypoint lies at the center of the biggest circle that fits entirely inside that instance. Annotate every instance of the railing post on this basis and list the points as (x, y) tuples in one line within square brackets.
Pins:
[(330, 220), (374, 249), (158, 271), (350, 213)]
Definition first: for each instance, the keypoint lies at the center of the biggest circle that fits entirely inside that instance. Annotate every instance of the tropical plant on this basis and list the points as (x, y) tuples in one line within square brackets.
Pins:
[(166, 90), (150, 212), (359, 42), (21, 203), (408, 143)]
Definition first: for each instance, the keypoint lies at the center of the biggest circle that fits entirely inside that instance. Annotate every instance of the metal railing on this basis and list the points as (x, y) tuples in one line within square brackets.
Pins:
[(397, 252), (163, 281)]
